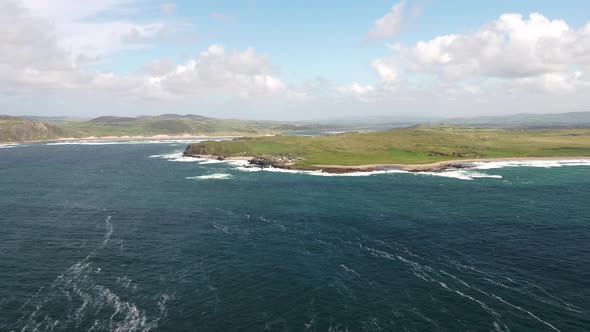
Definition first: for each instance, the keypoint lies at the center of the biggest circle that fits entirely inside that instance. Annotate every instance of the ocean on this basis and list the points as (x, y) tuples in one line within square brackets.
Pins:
[(131, 236)]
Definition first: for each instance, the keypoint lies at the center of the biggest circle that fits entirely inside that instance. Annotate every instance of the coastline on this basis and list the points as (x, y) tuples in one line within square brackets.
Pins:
[(439, 166), (124, 137)]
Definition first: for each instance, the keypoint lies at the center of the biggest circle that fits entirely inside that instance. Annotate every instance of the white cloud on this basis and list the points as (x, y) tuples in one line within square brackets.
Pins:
[(385, 69), (93, 29), (504, 65), (363, 93), (513, 64), (517, 55), (29, 53), (389, 24), (33, 59), (67, 10), (240, 73), (510, 47)]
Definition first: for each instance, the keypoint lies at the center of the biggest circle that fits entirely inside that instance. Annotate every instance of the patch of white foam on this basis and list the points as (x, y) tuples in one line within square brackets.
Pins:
[(212, 161), (245, 168), (177, 156), (216, 176), (458, 174), (532, 163), (461, 175), (134, 141), (238, 163), (9, 145)]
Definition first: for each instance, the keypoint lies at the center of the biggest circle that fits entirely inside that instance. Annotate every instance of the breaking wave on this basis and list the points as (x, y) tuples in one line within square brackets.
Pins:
[(177, 156), (531, 163), (126, 142), (463, 174), (9, 145), (245, 168), (460, 174), (216, 176)]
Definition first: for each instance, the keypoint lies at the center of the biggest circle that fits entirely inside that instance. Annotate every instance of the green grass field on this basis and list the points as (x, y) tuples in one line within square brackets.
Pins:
[(155, 126), (20, 129), (416, 145)]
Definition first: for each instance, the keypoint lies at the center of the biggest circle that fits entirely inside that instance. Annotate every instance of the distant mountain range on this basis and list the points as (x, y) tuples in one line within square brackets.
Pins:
[(18, 129), (28, 128), (15, 129), (511, 121), (526, 121)]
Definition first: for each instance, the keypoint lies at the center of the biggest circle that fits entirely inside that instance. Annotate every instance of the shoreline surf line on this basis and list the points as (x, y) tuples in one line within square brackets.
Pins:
[(448, 164), (124, 137), (439, 166)]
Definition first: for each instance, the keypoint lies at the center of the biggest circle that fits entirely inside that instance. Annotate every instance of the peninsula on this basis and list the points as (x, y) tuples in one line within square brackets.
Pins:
[(418, 148)]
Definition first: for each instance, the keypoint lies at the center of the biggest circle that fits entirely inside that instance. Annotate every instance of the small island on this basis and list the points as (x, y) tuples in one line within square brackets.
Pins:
[(422, 148)]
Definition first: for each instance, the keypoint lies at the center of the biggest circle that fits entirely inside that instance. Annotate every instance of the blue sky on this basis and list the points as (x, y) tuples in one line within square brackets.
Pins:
[(307, 39), (249, 58)]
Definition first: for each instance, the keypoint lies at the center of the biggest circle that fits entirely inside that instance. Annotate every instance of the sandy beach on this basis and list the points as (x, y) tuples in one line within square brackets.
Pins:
[(160, 136)]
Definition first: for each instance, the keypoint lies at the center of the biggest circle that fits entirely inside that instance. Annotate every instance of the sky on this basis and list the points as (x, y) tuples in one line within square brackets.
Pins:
[(294, 60)]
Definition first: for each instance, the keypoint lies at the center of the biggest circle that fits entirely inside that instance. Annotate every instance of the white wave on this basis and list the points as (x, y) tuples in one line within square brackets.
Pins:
[(531, 163), (78, 287), (9, 145), (212, 161), (461, 175), (349, 270), (238, 163), (245, 168), (177, 156), (109, 227), (135, 141), (216, 176), (526, 312)]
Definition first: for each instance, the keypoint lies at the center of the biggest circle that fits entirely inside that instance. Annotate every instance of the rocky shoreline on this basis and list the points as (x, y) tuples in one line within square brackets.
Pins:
[(290, 163)]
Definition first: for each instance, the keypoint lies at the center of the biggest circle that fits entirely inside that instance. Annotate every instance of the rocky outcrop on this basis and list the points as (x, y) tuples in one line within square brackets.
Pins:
[(293, 163)]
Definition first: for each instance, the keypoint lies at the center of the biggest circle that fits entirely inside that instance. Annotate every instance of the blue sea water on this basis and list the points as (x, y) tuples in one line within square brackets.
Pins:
[(132, 237)]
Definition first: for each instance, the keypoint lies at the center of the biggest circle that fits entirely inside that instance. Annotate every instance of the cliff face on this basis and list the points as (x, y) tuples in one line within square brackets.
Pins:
[(14, 129)]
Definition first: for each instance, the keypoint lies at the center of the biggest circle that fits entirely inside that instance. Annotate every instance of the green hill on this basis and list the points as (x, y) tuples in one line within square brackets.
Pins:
[(22, 129), (527, 121), (415, 145), (174, 124), (14, 129)]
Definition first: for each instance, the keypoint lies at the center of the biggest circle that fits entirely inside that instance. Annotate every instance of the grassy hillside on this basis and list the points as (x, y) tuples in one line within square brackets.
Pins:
[(172, 124), (416, 145), (527, 121), (24, 129), (13, 129)]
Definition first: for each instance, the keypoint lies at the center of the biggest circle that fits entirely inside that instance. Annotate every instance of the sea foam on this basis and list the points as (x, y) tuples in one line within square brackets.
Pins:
[(531, 163), (216, 176), (177, 156), (124, 142), (245, 168), (461, 175), (9, 145)]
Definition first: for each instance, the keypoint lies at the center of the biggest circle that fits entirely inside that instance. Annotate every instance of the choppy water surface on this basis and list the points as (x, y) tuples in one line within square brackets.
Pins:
[(134, 237)]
